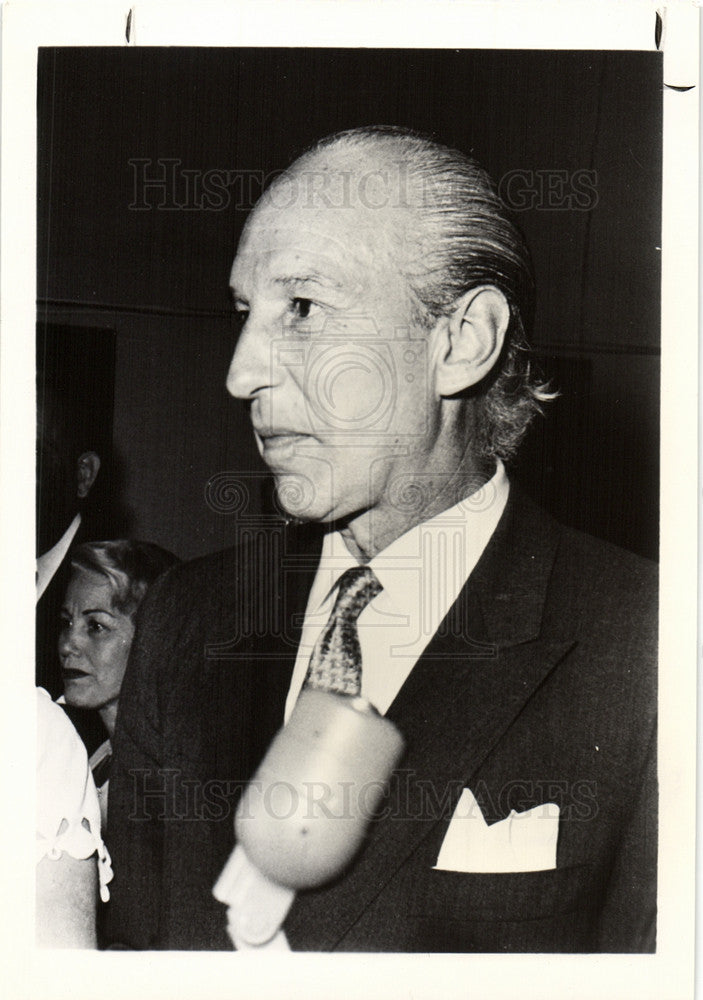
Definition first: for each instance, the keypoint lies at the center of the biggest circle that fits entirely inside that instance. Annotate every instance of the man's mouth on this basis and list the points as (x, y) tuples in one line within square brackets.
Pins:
[(282, 438), (272, 441)]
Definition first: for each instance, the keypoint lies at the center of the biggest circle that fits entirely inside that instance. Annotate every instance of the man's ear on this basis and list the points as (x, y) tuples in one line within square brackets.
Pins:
[(87, 468), (470, 339)]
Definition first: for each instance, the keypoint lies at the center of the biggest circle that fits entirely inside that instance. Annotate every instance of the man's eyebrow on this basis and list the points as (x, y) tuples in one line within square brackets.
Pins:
[(291, 280)]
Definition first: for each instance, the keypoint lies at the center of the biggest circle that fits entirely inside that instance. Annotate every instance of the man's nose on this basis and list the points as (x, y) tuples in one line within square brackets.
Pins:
[(250, 369)]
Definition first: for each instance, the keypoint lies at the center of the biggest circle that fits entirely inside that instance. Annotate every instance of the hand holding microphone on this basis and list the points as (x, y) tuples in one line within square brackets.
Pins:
[(336, 744), (303, 816)]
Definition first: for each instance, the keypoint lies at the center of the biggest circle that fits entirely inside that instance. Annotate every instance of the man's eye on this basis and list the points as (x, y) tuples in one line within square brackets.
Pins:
[(239, 317), (95, 627), (301, 308)]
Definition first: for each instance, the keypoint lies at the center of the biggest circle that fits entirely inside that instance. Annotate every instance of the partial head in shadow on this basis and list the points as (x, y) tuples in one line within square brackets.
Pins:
[(68, 465), (75, 397)]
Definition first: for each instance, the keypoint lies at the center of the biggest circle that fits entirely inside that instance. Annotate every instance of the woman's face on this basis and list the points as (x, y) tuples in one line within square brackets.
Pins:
[(94, 642)]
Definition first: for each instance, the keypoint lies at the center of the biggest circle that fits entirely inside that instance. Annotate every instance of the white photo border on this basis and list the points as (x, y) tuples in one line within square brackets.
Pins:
[(373, 23)]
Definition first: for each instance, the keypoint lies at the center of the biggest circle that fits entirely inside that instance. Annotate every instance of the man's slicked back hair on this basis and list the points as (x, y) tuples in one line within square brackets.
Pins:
[(464, 238)]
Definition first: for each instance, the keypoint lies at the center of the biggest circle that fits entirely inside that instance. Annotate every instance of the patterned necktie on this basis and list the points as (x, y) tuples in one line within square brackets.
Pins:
[(335, 662)]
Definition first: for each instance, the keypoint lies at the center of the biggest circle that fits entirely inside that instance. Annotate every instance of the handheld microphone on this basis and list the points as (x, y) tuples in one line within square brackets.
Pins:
[(304, 814)]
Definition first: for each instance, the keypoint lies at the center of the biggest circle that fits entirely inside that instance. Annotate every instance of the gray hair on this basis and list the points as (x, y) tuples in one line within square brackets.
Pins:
[(467, 239), (130, 568)]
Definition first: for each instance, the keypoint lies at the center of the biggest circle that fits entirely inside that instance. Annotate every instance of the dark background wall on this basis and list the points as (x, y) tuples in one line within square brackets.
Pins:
[(573, 138)]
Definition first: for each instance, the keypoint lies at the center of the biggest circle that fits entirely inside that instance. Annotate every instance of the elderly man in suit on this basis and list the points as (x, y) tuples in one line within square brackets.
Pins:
[(383, 296)]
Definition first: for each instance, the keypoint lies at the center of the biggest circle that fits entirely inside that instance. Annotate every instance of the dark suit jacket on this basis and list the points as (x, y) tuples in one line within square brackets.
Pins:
[(539, 687)]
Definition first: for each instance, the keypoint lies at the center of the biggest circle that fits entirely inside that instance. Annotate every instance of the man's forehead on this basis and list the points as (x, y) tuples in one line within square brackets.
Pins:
[(345, 243), (270, 228), (369, 177), (268, 252)]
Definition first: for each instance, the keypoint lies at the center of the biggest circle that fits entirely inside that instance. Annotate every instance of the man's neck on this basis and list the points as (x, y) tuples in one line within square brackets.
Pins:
[(373, 530)]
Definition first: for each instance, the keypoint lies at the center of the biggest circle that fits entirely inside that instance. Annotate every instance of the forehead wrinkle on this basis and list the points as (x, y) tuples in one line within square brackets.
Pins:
[(285, 266), (353, 220)]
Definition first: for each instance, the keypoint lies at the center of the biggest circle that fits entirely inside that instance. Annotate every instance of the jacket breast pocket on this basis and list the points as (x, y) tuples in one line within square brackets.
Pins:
[(520, 911)]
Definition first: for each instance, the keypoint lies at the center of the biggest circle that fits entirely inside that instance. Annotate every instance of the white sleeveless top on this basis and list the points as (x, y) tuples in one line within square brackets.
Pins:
[(68, 813)]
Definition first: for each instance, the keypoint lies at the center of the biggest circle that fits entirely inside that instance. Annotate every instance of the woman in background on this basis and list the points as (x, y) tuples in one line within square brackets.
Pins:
[(107, 583)]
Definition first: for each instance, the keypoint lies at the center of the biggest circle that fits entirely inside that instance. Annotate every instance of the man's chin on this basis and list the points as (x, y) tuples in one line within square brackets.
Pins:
[(298, 498)]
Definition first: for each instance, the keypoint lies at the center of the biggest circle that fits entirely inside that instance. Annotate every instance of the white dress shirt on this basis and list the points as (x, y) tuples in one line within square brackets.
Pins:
[(49, 562), (422, 574)]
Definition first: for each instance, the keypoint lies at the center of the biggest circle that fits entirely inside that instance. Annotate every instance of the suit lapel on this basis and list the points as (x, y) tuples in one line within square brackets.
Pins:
[(254, 644), (277, 650), (474, 678)]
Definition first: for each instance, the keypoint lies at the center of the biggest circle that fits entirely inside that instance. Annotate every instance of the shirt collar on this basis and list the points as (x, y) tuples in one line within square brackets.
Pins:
[(49, 562), (476, 516), (335, 559)]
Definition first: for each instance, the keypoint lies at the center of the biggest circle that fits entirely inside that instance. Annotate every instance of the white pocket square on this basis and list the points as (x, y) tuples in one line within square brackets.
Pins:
[(522, 842)]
